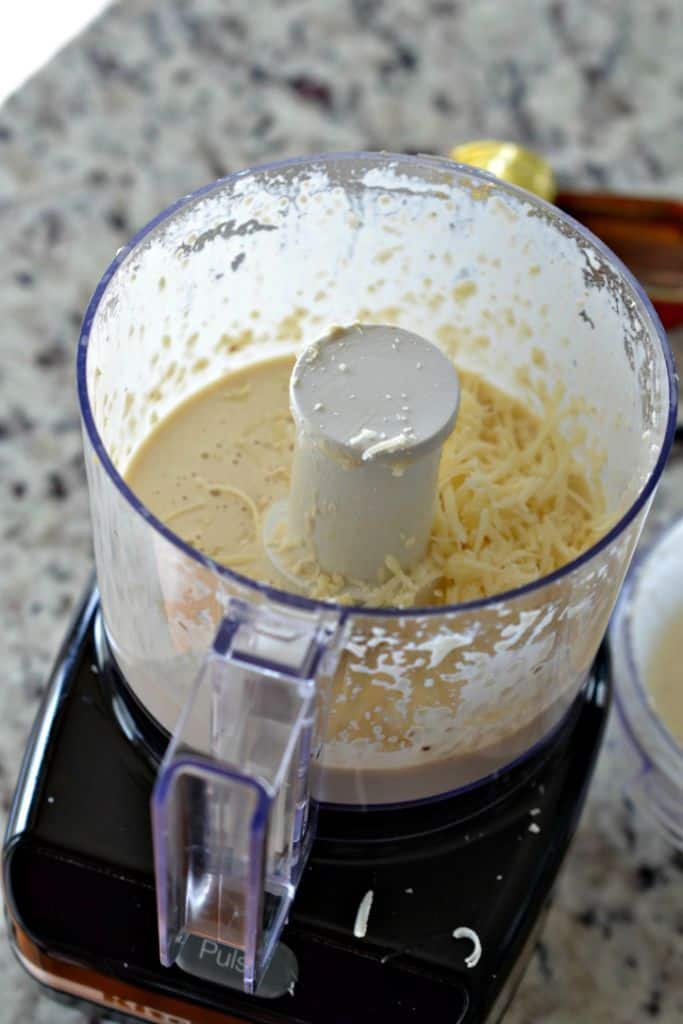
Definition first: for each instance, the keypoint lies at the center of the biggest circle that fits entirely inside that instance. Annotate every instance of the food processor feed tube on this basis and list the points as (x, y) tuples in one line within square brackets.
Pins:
[(287, 697)]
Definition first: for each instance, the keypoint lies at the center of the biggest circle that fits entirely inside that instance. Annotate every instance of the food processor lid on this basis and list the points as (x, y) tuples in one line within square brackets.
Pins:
[(467, 174)]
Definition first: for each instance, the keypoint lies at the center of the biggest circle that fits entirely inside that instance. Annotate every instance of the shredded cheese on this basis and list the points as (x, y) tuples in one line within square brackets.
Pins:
[(514, 504), (360, 925), (468, 933)]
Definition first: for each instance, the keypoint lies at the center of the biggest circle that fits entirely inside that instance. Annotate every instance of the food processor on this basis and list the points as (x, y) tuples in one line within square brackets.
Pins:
[(216, 820)]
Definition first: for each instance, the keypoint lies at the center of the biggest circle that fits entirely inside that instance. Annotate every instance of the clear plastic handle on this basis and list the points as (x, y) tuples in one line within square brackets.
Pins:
[(231, 815)]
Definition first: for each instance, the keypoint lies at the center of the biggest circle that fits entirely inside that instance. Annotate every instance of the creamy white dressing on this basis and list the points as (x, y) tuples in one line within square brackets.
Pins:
[(664, 676)]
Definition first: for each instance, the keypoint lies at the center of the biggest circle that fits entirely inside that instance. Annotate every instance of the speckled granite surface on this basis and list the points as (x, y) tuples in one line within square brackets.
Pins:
[(160, 97)]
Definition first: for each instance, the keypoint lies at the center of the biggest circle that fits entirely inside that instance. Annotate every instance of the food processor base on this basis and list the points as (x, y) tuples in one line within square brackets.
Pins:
[(80, 898)]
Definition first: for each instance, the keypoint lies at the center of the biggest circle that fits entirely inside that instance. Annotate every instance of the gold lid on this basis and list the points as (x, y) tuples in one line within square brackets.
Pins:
[(511, 162)]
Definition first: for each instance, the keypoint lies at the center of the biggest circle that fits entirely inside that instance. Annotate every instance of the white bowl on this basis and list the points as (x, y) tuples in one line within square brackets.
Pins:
[(651, 599)]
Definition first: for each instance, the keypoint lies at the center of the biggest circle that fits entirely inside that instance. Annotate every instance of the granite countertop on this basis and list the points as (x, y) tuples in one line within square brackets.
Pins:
[(157, 98)]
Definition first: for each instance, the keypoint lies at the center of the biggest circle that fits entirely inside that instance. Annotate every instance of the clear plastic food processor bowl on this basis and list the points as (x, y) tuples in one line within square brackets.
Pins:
[(285, 697)]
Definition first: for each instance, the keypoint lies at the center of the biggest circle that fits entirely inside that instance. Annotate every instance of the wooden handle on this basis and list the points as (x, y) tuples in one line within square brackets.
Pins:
[(646, 233)]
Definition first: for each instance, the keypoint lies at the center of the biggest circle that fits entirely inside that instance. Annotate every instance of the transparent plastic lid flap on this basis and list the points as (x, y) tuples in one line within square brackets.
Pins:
[(231, 815)]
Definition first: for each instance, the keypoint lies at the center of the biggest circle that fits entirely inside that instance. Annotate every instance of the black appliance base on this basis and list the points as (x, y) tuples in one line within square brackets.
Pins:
[(79, 887)]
